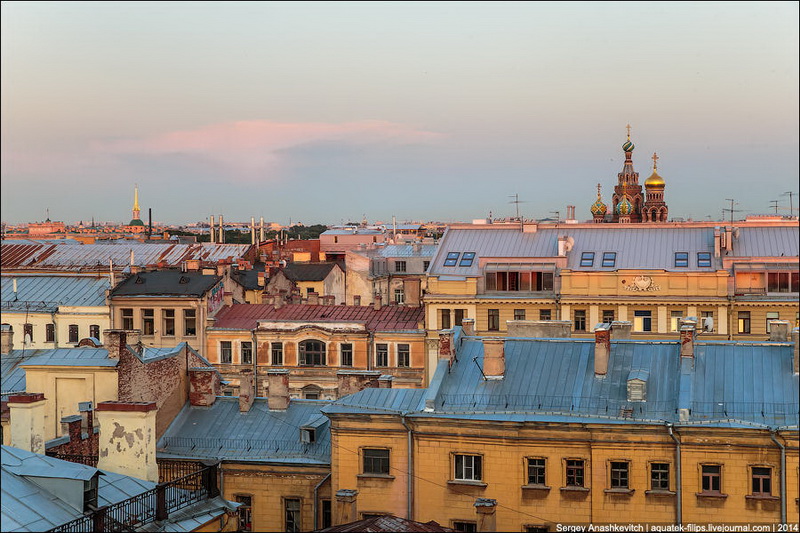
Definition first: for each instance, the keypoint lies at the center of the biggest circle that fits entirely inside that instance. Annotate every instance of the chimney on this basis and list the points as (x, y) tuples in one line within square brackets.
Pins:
[(565, 244), (540, 329), (313, 298), (221, 239), (621, 330), (252, 230), (468, 326), (357, 300), (278, 301), (278, 395), (346, 507), (352, 381), (377, 301), (779, 330), (717, 244), (27, 421), (87, 417), (204, 386), (446, 348), (687, 334), (602, 348), (247, 392), (128, 439), (227, 298), (329, 299), (262, 279), (117, 340), (212, 234), (411, 290), (494, 358), (71, 426), (385, 382), (485, 509), (796, 341), (7, 339)]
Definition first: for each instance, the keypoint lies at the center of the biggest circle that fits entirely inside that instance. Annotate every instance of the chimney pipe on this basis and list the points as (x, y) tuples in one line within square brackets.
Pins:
[(494, 358), (468, 326), (252, 230), (687, 334), (385, 382), (779, 330), (446, 348), (261, 231), (487, 518), (278, 395), (796, 342), (602, 348), (204, 386), (87, 417), (621, 329), (221, 231), (115, 341), (313, 298), (27, 421), (128, 438), (246, 390), (212, 234), (6, 339), (149, 222), (346, 506), (377, 301)]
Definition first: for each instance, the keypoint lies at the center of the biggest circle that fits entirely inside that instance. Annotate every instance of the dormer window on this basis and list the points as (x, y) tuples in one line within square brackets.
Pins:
[(587, 259), (90, 493), (308, 435), (637, 386), (609, 259)]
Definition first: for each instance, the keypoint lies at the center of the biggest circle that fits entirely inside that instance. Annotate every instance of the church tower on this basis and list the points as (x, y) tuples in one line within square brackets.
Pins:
[(627, 191), (598, 208), (655, 209), (136, 224)]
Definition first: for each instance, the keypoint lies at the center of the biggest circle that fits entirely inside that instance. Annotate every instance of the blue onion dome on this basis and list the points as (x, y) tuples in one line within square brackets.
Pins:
[(624, 207), (598, 207)]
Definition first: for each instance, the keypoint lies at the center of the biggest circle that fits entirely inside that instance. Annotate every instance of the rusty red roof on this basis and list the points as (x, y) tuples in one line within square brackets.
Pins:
[(379, 524), (387, 318)]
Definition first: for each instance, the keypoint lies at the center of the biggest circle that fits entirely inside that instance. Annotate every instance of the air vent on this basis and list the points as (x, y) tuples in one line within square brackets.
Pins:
[(184, 280)]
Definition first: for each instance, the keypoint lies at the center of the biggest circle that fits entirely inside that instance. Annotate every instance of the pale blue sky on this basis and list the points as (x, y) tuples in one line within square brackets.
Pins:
[(323, 112)]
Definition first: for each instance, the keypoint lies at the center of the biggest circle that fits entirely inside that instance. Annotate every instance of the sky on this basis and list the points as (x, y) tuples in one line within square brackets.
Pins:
[(329, 112)]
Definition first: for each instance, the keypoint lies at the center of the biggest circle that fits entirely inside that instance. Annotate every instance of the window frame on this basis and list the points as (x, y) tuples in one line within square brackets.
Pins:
[(579, 320), (619, 474), (225, 352), (467, 258), (403, 355), (519, 314), (381, 355), (168, 320), (126, 318), (276, 353), (50, 332), (703, 259), (609, 259), (542, 473), (190, 317), (475, 467), (710, 476), (605, 318), (148, 322), (768, 329), (318, 357), (543, 312), (94, 331), (587, 259), (400, 266), (575, 471), (647, 321), (493, 319), (345, 354), (660, 476), (744, 325), (297, 515), (467, 526), (73, 334), (681, 260), (377, 464), (444, 319), (451, 259), (246, 348), (244, 513)]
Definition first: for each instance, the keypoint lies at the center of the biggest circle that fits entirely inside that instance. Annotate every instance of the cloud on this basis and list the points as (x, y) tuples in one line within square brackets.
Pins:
[(249, 148)]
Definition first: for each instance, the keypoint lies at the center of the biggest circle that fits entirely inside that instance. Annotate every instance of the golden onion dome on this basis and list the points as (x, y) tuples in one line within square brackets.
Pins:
[(598, 207), (654, 181)]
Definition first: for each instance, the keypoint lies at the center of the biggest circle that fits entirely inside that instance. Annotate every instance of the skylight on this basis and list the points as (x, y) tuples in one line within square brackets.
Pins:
[(609, 259), (587, 259), (452, 259), (466, 259)]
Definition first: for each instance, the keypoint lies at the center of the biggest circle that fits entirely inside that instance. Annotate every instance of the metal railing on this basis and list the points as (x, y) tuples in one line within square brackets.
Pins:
[(88, 460), (170, 470)]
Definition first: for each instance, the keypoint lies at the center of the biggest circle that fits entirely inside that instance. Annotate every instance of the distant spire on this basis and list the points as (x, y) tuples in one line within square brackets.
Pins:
[(655, 159), (628, 127), (136, 209)]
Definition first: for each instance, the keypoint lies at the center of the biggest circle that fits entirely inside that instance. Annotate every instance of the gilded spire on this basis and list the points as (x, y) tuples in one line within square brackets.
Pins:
[(655, 159), (136, 199)]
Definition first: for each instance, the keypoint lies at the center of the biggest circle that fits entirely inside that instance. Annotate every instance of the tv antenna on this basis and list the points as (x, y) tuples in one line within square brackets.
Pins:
[(790, 194), (557, 214), (775, 205), (516, 201), (731, 210)]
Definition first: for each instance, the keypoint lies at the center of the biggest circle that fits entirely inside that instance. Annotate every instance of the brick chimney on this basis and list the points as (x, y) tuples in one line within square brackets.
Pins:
[(329, 299), (278, 395), (116, 340), (447, 349), (313, 298), (71, 426), (494, 358), (27, 421), (247, 393), (688, 334), (468, 326), (6, 339), (602, 349), (377, 300), (485, 509), (87, 417), (411, 291), (128, 439), (796, 341), (204, 386), (352, 381), (346, 506), (544, 329), (385, 382), (779, 330), (621, 329)]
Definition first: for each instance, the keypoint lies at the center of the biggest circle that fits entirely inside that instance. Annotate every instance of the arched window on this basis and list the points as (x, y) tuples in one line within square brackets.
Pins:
[(312, 353)]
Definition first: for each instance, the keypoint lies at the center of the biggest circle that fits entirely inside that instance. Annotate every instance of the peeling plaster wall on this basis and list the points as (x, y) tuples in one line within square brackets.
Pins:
[(127, 444)]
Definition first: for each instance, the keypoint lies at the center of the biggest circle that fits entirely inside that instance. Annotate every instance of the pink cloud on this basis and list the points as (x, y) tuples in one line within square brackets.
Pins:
[(250, 147)]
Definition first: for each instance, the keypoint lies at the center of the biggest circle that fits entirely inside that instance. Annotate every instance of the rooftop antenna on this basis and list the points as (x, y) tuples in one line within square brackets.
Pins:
[(790, 194), (731, 210), (775, 205), (557, 214), (516, 201)]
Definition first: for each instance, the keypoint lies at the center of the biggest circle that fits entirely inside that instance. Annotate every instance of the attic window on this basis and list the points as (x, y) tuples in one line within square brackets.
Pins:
[(681, 259), (587, 259), (452, 259), (90, 493), (637, 386), (184, 280), (466, 259), (308, 435), (609, 259), (139, 280), (703, 259)]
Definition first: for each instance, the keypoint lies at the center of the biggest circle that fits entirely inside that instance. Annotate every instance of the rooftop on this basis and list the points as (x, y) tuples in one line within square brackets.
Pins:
[(166, 283), (51, 291), (308, 271)]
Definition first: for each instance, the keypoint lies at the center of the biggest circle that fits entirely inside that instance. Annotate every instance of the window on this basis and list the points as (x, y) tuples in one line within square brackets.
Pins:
[(608, 316), (277, 353), (403, 355), (494, 320), (580, 320), (467, 259), (465, 526), (675, 320), (703, 259), (49, 333), (399, 266), (762, 481), (309, 290), (73, 333), (659, 476), (619, 475), (517, 281), (459, 316), (707, 320), (291, 508), (609, 259), (246, 353), (399, 296), (148, 322), (783, 282), (312, 353), (711, 477), (327, 514), (127, 318), (744, 321), (536, 472), (574, 472), (681, 259), (90, 493), (519, 314), (451, 259), (245, 512), (772, 315), (311, 392), (225, 352), (545, 314), (642, 321), (444, 319), (587, 259), (169, 322), (425, 265), (346, 354), (468, 467), (381, 355), (94, 331), (27, 332), (189, 322), (376, 461)]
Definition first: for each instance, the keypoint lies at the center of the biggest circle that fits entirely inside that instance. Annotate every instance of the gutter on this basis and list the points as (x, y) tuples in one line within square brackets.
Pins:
[(678, 480), (410, 482), (316, 500), (772, 433)]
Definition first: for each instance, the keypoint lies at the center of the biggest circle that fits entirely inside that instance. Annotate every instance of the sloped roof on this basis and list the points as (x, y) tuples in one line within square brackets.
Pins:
[(388, 523), (52, 291), (13, 373), (166, 283), (387, 318), (308, 271)]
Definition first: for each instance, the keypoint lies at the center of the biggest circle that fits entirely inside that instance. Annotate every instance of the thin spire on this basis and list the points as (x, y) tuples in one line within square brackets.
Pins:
[(655, 159), (136, 198), (598, 190), (628, 127)]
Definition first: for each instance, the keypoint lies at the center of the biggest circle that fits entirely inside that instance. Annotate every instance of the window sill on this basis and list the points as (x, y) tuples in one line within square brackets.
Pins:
[(574, 489), (467, 482), (375, 476), (536, 487), (624, 492), (766, 497), (660, 492), (717, 495)]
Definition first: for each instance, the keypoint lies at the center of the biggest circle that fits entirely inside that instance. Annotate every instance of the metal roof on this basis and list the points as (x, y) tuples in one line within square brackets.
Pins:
[(53, 291), (767, 242), (12, 375), (387, 318), (222, 432), (379, 401), (400, 250), (81, 356), (388, 523), (355, 231), (166, 282), (308, 271)]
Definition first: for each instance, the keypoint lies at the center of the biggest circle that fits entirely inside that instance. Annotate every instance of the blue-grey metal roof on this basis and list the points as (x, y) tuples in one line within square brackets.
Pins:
[(52, 291), (403, 250), (12, 375), (378, 401), (767, 242), (222, 432), (81, 356)]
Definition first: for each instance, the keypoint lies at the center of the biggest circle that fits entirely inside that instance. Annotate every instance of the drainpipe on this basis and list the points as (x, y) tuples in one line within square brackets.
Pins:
[(410, 491), (783, 474), (678, 480), (316, 500), (254, 355)]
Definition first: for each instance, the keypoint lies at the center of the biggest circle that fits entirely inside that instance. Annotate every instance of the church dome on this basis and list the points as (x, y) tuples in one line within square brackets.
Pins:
[(136, 222), (598, 207), (624, 207), (654, 181), (628, 146)]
